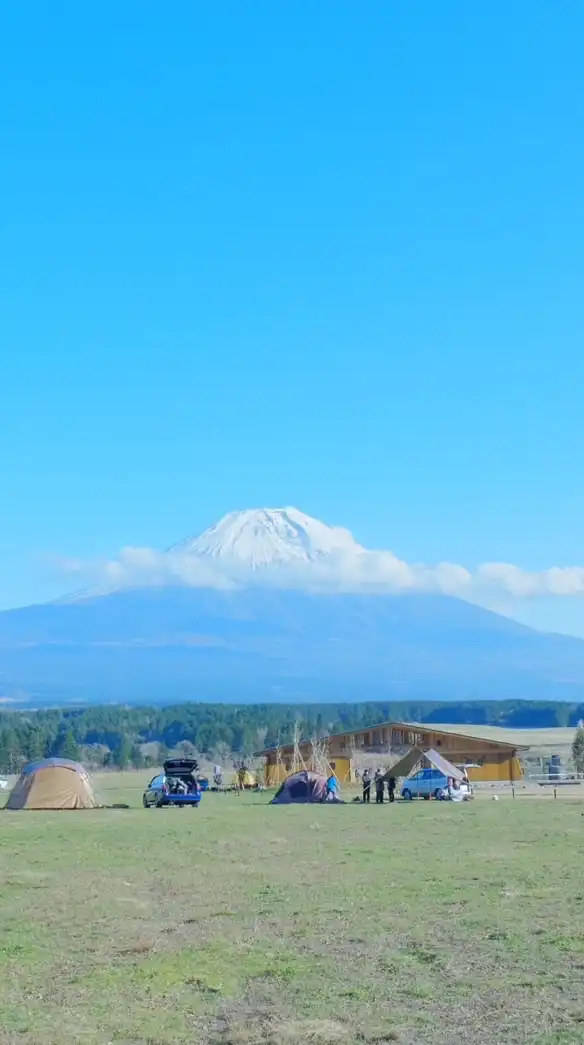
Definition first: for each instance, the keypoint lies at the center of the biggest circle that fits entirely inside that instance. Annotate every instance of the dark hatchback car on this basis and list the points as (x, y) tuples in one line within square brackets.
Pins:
[(177, 786)]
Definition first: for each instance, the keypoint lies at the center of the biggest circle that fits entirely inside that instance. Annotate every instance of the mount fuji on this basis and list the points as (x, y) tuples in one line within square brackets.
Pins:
[(271, 604), (268, 537)]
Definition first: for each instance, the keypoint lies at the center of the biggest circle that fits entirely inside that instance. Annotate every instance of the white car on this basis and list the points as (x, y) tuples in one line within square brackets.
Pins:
[(430, 783)]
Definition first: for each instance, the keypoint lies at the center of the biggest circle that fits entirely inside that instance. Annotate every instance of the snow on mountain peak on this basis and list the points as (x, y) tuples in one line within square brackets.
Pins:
[(261, 537)]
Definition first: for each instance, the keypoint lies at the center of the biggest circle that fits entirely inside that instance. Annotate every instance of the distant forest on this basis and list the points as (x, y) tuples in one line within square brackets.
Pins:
[(126, 737)]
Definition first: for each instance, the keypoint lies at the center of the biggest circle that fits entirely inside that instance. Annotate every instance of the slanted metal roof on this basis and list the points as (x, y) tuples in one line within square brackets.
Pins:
[(414, 727)]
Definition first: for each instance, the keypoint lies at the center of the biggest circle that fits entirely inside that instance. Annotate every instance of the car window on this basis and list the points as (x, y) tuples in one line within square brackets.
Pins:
[(157, 781)]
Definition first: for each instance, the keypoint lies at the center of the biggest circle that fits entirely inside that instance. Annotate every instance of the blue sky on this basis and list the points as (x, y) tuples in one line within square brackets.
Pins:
[(328, 255)]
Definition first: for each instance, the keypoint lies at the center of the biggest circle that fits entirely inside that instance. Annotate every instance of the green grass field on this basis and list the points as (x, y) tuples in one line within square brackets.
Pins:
[(245, 924)]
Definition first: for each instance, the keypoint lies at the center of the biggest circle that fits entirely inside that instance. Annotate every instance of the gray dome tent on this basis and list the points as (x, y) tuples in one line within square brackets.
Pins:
[(303, 787)]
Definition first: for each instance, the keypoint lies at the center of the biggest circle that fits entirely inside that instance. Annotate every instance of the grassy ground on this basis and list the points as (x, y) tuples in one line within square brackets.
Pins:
[(241, 924)]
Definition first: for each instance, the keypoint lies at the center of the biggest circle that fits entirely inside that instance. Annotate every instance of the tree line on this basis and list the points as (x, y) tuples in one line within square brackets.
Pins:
[(124, 737)]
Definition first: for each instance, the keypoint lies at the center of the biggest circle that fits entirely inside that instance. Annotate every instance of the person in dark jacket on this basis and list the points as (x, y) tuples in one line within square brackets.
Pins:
[(391, 788), (379, 786), (366, 781)]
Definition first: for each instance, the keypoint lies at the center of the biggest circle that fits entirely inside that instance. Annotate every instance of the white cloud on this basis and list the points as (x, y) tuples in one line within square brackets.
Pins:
[(145, 567), (343, 571)]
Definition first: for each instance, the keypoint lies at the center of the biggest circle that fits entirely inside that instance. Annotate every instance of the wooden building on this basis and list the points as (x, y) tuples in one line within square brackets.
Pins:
[(492, 759)]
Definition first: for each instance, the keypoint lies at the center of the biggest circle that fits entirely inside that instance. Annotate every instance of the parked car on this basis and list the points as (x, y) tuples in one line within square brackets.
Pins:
[(428, 783), (203, 783), (176, 786)]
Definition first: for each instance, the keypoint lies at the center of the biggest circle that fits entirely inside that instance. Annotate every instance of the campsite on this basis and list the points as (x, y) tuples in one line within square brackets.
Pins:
[(292, 574), (249, 924)]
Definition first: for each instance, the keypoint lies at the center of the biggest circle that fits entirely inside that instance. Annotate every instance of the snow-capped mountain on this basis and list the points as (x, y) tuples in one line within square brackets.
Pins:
[(269, 604), (262, 537), (282, 547)]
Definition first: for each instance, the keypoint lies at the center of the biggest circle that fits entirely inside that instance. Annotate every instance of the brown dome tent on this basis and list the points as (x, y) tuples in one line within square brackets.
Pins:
[(53, 783), (302, 787)]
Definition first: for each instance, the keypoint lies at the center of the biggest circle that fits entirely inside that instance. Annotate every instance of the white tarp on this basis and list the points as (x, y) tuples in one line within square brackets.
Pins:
[(415, 756)]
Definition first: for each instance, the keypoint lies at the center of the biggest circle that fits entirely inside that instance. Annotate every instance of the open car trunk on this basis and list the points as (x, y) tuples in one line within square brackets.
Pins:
[(181, 771)]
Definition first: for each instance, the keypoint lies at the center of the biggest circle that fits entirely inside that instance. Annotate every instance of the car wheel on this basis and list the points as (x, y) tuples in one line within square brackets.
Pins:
[(159, 803), (407, 794), (145, 802)]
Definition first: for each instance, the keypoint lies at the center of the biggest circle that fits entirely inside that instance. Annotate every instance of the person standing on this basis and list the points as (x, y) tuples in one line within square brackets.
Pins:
[(332, 788), (366, 781), (379, 786), (391, 788)]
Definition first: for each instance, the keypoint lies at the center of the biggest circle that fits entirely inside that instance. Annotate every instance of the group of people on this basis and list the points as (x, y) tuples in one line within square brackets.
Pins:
[(378, 781), (456, 790)]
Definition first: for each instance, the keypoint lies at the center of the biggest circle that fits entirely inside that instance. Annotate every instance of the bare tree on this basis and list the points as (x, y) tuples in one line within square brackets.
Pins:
[(351, 755), (186, 749), (223, 753), (279, 762), (298, 761), (319, 755), (243, 768), (261, 735), (578, 749)]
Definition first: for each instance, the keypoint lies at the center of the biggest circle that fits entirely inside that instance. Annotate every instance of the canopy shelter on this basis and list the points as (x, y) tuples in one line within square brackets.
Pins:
[(53, 783), (416, 757), (303, 787)]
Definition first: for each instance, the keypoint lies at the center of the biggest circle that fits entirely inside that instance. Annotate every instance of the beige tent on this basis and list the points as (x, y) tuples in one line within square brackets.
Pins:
[(54, 783), (416, 757)]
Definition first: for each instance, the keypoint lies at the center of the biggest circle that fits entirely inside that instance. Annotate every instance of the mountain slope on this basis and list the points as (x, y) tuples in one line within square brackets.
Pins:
[(271, 629), (258, 643)]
